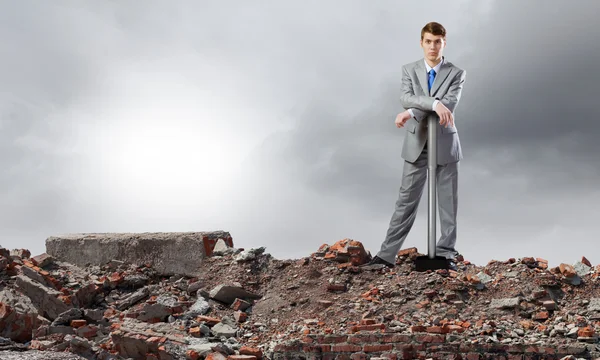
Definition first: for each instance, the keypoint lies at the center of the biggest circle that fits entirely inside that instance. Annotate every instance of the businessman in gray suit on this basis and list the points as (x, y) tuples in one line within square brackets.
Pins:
[(431, 87)]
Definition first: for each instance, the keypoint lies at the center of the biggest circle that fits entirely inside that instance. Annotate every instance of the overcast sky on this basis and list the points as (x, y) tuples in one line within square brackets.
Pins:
[(275, 121)]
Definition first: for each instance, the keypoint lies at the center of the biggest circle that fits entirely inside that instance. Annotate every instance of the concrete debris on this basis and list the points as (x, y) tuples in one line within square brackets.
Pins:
[(244, 304), (167, 253)]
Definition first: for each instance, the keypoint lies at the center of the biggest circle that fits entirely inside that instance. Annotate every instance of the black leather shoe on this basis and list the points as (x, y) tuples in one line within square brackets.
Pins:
[(452, 265), (379, 261)]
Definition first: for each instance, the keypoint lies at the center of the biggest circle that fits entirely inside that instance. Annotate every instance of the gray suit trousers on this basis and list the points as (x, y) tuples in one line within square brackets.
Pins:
[(414, 177)]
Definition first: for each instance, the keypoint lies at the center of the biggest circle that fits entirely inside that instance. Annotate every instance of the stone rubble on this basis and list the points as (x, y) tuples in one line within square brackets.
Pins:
[(245, 304)]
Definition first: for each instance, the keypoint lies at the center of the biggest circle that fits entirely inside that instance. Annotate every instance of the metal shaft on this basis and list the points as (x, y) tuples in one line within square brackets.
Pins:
[(431, 176)]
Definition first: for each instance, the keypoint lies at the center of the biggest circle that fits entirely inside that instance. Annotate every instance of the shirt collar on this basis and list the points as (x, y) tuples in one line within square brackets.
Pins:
[(437, 67)]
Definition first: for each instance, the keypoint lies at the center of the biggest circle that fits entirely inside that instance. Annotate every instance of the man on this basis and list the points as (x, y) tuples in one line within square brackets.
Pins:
[(431, 87)]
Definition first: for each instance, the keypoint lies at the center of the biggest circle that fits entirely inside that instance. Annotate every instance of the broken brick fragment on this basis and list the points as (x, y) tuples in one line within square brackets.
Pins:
[(344, 251), (78, 323), (240, 316), (407, 252), (210, 321), (336, 287), (195, 331), (586, 261), (542, 315), (247, 350), (587, 331)]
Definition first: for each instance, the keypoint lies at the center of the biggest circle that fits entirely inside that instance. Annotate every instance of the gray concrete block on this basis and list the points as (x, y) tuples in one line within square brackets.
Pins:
[(169, 253)]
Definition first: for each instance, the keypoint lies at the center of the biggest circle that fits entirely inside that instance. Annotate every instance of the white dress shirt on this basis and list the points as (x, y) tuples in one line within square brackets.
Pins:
[(437, 71)]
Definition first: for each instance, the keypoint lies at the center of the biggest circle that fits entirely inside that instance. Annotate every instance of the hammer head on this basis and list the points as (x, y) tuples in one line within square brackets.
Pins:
[(424, 263)]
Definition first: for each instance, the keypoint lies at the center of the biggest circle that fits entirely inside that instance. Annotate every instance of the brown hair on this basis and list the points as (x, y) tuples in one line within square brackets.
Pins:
[(433, 28)]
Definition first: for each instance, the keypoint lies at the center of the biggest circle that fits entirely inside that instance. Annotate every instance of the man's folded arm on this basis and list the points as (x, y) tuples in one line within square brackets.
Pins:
[(450, 99), (452, 96), (418, 114), (409, 100)]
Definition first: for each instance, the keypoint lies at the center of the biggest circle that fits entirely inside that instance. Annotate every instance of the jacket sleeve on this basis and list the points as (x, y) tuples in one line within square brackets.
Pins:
[(452, 96), (408, 99)]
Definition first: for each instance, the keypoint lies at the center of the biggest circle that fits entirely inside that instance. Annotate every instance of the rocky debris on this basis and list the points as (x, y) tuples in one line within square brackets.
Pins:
[(222, 249), (243, 304), (229, 293), (48, 301), (250, 254), (38, 355), (18, 315), (344, 251)]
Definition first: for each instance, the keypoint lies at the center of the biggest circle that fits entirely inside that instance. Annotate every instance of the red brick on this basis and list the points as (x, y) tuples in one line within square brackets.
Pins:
[(548, 350), (345, 348), (316, 348), (542, 315), (210, 321), (396, 338), (359, 356), (247, 350), (377, 348), (373, 327), (418, 328), (438, 329), (586, 261), (334, 339), (195, 331), (567, 270), (456, 328), (407, 252), (78, 323), (214, 356), (430, 338), (359, 339), (586, 332), (87, 331), (389, 356), (336, 287), (240, 304), (192, 355), (154, 340), (240, 316)]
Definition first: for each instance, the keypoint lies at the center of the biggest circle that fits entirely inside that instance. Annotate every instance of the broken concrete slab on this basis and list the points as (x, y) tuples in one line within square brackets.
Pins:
[(134, 298), (169, 253), (505, 303), (42, 260), (18, 316), (594, 304), (228, 293), (46, 300), (582, 269)]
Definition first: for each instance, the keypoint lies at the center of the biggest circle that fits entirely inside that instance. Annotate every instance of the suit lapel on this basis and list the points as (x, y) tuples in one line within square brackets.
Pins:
[(440, 77), (422, 75)]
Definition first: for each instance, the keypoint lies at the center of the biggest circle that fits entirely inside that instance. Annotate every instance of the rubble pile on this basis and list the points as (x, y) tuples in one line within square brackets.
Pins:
[(244, 304)]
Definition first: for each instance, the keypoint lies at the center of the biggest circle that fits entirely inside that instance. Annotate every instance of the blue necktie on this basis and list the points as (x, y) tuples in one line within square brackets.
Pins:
[(431, 77)]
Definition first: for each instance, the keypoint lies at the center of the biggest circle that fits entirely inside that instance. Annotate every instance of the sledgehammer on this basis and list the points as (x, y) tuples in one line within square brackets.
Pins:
[(431, 261)]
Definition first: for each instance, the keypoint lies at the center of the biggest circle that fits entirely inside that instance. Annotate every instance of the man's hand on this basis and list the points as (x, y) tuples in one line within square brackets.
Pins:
[(402, 118), (446, 117)]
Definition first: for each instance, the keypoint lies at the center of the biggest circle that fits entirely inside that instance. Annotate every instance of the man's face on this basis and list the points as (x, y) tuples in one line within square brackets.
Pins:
[(433, 46)]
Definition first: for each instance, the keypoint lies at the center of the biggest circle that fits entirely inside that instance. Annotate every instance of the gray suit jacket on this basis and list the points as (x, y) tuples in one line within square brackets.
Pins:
[(447, 88)]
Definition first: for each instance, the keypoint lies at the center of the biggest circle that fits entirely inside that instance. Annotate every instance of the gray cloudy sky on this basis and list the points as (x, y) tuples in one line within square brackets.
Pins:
[(275, 121)]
